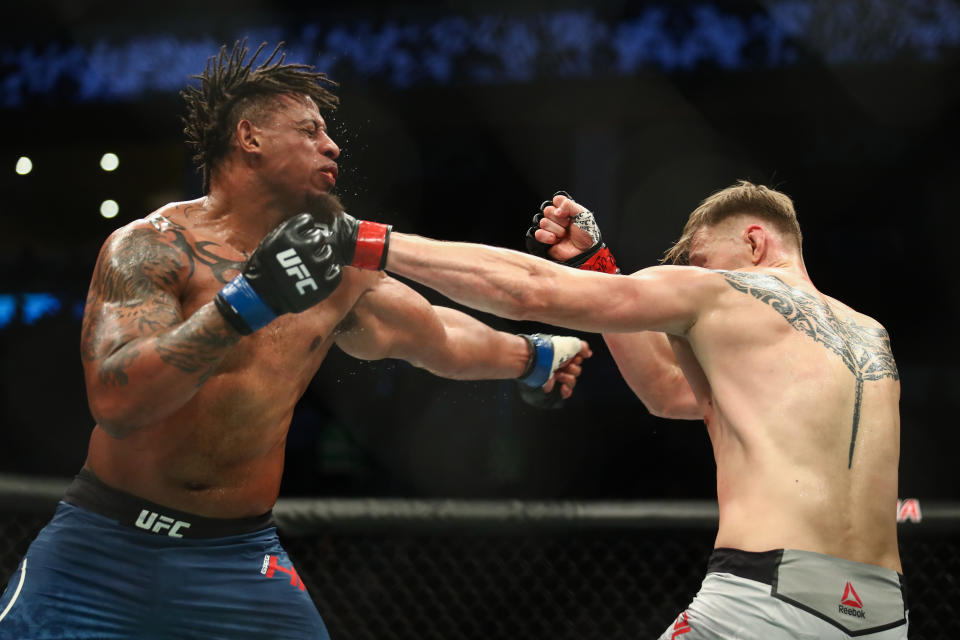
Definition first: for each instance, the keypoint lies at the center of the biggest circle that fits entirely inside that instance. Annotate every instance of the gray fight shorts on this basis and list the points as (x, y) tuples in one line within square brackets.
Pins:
[(797, 595)]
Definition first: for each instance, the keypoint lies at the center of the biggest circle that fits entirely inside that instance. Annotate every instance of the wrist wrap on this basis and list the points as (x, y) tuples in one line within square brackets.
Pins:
[(539, 365), (596, 259), (373, 240), (242, 307)]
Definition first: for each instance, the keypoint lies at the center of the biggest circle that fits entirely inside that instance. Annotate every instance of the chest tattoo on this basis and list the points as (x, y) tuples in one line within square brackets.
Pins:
[(864, 350), (200, 253), (197, 252)]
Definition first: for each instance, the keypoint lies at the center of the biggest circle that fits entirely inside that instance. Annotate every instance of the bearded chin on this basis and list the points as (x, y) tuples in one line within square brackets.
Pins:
[(324, 207)]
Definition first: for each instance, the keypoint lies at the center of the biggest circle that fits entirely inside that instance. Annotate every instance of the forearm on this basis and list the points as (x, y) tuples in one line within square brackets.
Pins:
[(470, 350), (648, 365), (507, 283), (149, 378)]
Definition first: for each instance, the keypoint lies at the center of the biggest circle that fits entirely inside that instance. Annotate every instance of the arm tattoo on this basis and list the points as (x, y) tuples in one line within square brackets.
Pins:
[(129, 285), (196, 349), (864, 350), (132, 295), (112, 372)]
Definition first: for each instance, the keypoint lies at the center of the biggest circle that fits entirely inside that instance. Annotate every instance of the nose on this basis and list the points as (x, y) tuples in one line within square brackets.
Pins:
[(329, 148)]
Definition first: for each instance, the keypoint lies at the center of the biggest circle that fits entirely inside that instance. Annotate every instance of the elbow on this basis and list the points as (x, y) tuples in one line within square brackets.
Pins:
[(677, 411), (672, 411), (670, 406), (657, 407), (656, 410)]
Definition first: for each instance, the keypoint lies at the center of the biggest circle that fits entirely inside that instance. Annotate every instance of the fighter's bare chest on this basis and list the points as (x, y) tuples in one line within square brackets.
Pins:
[(288, 342), (289, 336)]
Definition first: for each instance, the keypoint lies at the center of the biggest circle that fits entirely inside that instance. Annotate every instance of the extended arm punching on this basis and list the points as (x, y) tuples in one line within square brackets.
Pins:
[(392, 320), (522, 287), (514, 285)]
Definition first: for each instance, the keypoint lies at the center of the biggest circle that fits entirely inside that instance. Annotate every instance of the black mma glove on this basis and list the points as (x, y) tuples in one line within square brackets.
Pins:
[(292, 269), (596, 258), (547, 354), (360, 243), (541, 399)]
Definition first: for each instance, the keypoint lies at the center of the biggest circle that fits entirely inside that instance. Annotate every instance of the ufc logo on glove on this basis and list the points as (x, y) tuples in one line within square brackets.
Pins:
[(295, 268)]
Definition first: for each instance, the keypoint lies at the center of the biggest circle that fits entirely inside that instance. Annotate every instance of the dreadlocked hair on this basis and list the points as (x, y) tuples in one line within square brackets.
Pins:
[(232, 89)]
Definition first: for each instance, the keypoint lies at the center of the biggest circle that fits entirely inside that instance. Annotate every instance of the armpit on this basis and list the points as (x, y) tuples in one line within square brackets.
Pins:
[(349, 323)]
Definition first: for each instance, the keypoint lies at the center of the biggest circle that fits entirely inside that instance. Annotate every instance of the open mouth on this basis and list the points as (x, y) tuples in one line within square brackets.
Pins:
[(331, 173)]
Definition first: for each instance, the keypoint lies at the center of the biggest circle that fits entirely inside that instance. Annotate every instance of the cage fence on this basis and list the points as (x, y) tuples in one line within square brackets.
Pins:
[(385, 569)]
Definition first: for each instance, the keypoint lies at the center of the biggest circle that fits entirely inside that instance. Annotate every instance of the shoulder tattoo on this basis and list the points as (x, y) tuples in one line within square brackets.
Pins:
[(202, 252), (131, 276), (132, 294), (864, 350)]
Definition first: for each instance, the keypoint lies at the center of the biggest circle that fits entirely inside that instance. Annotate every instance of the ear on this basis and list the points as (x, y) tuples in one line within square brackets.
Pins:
[(756, 236), (248, 136)]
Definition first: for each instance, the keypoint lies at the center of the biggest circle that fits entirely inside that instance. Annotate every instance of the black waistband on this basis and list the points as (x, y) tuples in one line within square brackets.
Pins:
[(752, 565), (89, 492), (757, 565)]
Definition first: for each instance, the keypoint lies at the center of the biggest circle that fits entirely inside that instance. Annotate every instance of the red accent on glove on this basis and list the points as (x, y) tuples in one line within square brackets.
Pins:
[(371, 242), (601, 261)]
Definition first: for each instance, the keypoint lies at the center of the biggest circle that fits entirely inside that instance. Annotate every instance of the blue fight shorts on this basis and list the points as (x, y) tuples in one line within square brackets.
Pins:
[(116, 566)]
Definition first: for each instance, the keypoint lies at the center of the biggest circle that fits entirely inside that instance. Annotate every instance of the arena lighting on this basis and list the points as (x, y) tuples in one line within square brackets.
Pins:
[(30, 308), (39, 305), (109, 162), (8, 309), (478, 48), (109, 208), (24, 165)]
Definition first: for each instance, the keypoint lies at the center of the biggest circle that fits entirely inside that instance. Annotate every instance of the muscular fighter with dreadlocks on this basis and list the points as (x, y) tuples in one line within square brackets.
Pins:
[(204, 324)]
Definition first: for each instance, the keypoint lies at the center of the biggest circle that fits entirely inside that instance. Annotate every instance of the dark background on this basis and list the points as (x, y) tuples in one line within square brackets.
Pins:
[(853, 114)]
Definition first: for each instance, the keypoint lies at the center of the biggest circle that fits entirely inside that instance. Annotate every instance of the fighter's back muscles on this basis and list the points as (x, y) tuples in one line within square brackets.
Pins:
[(142, 358), (864, 349)]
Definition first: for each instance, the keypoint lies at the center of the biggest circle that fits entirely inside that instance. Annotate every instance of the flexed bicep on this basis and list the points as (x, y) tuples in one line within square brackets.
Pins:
[(142, 358), (131, 295)]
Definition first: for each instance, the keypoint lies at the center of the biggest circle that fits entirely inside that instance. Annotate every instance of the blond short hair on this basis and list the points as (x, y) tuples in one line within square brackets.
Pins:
[(741, 198)]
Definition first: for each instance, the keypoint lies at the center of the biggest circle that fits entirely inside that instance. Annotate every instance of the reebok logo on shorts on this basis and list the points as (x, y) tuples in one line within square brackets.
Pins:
[(850, 603)]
